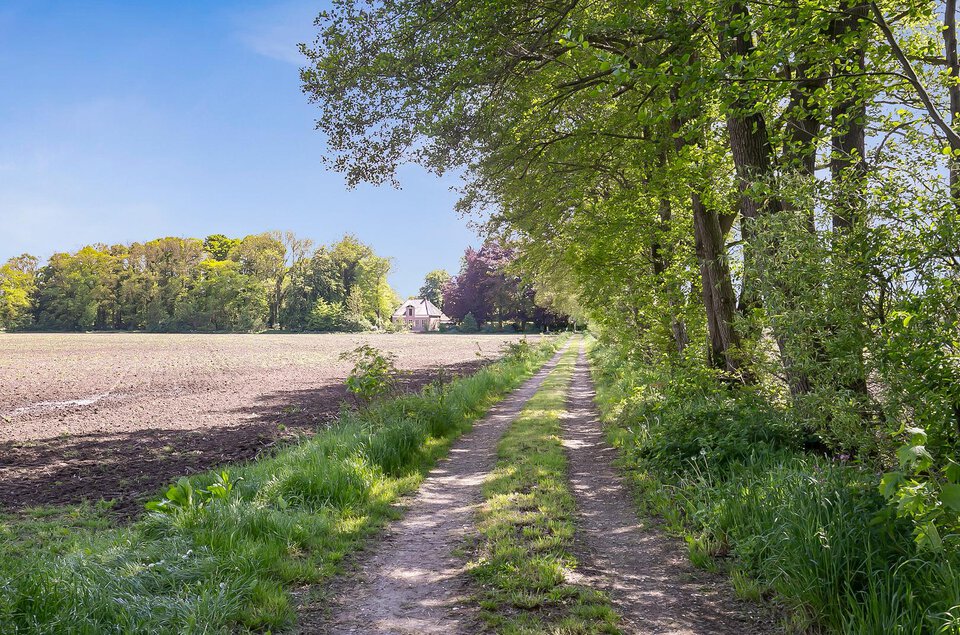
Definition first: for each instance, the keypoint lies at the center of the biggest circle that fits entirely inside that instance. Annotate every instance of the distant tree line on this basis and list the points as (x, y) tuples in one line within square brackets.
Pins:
[(489, 294), (274, 280)]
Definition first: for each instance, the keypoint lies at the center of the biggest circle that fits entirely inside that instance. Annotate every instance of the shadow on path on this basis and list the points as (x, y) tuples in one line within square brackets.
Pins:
[(654, 587)]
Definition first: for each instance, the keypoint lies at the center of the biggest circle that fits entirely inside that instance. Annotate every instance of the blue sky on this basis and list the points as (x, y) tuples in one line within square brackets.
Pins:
[(124, 121)]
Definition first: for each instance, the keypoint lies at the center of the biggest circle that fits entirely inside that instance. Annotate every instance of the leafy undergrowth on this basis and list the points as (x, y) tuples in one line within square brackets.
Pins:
[(221, 554), (527, 527), (810, 533)]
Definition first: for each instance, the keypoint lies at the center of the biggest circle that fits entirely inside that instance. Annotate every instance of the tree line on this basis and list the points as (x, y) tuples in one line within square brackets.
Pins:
[(269, 280), (764, 194)]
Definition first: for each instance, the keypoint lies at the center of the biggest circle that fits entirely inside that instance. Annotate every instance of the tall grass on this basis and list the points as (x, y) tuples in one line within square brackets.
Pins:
[(810, 532), (523, 558), (227, 565)]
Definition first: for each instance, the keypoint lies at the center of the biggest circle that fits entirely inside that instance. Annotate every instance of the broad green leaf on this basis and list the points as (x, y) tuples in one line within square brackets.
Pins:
[(950, 496)]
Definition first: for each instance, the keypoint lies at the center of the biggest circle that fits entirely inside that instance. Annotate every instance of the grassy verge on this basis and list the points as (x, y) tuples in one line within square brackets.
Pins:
[(224, 558), (812, 534), (527, 527)]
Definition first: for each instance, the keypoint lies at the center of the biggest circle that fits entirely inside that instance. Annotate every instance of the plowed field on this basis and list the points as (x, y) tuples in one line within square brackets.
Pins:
[(116, 416)]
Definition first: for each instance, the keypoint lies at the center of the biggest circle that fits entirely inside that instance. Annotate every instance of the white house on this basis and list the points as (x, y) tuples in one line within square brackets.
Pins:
[(420, 315)]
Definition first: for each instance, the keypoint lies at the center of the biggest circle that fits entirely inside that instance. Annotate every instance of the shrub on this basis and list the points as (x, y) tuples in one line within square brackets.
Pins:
[(469, 324), (329, 317), (374, 373)]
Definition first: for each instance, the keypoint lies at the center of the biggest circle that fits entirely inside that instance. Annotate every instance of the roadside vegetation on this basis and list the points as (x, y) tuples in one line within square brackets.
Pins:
[(757, 206), (733, 475), (221, 552), (523, 559)]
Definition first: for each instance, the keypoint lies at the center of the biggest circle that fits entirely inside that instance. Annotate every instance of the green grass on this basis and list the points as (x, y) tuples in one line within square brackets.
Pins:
[(809, 533), (523, 558), (228, 565)]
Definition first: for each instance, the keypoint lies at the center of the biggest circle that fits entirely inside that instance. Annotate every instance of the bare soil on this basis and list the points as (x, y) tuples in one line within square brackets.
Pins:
[(414, 583), (117, 416), (652, 583)]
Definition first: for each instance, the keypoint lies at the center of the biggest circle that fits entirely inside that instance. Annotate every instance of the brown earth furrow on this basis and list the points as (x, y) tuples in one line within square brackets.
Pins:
[(118, 415), (653, 586)]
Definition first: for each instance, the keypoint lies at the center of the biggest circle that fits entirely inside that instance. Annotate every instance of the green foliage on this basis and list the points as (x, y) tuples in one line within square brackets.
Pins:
[(469, 324), (374, 373), (183, 284), (433, 285), (18, 284), (219, 246), (222, 551), (929, 497), (182, 496), (221, 299), (728, 472), (75, 291), (327, 317), (657, 166)]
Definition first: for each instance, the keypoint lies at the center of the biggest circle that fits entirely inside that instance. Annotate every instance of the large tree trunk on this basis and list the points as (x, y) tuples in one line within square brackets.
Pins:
[(801, 133), (752, 154), (848, 165), (848, 169), (660, 255), (719, 297), (953, 65)]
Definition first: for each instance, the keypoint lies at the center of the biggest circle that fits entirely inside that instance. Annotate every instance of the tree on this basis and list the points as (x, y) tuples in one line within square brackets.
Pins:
[(223, 299), (76, 291), (469, 324), (263, 256), (763, 192), (219, 246), (18, 285), (433, 285)]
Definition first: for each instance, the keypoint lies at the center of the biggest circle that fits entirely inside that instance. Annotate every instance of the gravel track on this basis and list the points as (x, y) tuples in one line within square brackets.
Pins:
[(413, 583)]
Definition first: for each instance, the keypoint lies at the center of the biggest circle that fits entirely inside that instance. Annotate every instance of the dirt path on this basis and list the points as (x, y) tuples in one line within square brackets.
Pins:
[(414, 584), (654, 587)]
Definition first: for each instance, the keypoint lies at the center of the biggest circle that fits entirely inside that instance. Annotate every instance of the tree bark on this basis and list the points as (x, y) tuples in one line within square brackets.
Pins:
[(718, 296), (848, 169), (752, 153), (953, 64), (660, 256)]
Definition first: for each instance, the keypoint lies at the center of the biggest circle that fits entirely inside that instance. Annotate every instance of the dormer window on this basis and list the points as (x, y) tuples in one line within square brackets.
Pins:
[(410, 311)]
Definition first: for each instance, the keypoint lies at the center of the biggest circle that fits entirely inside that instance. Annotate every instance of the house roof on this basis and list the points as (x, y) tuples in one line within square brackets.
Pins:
[(422, 308)]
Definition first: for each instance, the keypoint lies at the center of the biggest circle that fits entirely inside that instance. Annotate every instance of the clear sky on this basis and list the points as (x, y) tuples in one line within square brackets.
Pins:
[(128, 120)]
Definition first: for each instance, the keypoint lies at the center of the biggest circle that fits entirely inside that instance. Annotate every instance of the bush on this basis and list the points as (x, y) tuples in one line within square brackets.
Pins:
[(668, 435), (469, 324), (329, 317), (374, 373)]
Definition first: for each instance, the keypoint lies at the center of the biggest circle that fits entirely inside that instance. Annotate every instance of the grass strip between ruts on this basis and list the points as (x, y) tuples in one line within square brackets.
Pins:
[(523, 558), (228, 565)]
